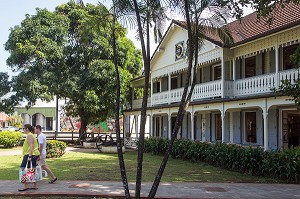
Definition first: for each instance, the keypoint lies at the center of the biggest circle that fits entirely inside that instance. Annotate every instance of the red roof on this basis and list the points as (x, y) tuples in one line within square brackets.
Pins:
[(250, 28)]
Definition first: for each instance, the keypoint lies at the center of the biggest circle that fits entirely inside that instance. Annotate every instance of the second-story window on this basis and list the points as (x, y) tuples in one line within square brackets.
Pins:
[(174, 82), (250, 67), (217, 72), (156, 87), (287, 52)]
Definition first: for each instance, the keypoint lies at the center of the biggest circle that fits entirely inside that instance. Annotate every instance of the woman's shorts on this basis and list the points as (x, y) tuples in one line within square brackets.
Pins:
[(24, 161)]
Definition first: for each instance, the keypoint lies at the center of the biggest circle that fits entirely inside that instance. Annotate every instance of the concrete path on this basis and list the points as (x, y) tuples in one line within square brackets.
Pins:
[(166, 190), (11, 152)]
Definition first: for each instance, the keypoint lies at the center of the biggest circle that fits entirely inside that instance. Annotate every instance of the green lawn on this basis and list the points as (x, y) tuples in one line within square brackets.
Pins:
[(97, 166)]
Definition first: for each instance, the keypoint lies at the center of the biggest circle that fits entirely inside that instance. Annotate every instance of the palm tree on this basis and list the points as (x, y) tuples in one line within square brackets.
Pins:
[(197, 27), (93, 22), (146, 13), (117, 109)]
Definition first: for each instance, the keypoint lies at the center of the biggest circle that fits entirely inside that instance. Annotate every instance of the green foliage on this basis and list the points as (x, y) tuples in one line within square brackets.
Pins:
[(68, 53), (284, 165), (55, 149), (10, 138)]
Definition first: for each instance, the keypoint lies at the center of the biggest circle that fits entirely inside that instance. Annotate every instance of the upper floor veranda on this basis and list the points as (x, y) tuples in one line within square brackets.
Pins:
[(252, 66)]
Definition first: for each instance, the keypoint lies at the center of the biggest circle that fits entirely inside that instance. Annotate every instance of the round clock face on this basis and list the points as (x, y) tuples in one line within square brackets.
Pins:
[(179, 50)]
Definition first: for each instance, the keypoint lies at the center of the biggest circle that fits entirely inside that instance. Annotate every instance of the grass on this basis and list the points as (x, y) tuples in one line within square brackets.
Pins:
[(104, 167)]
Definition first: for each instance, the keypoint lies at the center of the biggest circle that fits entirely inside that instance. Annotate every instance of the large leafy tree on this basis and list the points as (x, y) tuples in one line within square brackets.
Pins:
[(5, 88), (57, 54)]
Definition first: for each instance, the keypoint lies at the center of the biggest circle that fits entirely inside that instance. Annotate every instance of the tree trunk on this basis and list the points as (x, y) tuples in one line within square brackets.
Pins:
[(182, 107), (146, 59), (83, 125), (117, 122)]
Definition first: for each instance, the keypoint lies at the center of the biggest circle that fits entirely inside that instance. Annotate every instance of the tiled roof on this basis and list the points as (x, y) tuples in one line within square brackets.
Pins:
[(250, 28)]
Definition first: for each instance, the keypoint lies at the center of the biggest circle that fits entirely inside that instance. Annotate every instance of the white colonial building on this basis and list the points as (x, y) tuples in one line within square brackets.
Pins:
[(232, 101)]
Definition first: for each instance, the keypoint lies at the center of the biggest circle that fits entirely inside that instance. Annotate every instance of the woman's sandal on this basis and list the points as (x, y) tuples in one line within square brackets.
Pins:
[(34, 188), (23, 189), (53, 180)]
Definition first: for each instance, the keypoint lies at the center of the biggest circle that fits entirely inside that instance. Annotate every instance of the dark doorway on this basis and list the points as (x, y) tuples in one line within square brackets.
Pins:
[(250, 125)]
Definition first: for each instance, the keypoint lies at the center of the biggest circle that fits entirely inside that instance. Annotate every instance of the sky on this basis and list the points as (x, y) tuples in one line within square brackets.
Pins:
[(14, 11)]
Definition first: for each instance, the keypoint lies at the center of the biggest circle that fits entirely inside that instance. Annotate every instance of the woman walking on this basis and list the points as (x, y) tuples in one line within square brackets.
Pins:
[(30, 153)]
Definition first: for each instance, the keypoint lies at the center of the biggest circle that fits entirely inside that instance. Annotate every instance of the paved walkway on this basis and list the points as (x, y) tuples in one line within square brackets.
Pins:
[(92, 189), (166, 190)]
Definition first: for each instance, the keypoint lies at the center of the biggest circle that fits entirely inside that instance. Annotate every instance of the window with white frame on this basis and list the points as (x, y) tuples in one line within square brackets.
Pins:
[(217, 72)]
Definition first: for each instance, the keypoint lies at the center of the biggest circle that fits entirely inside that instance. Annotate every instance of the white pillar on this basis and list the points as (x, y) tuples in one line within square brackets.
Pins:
[(223, 125), (266, 133), (169, 126), (169, 87), (277, 66), (136, 126), (151, 91), (192, 126), (233, 69), (231, 126), (223, 73), (150, 125)]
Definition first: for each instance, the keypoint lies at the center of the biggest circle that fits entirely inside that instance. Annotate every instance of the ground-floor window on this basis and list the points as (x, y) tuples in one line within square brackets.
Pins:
[(291, 129), (49, 122), (218, 126), (250, 127)]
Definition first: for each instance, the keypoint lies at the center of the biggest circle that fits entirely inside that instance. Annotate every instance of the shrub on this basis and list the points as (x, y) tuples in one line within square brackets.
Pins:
[(284, 165), (10, 138), (55, 149)]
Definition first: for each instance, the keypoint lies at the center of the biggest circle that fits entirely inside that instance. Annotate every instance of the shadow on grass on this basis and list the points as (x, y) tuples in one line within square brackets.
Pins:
[(91, 165)]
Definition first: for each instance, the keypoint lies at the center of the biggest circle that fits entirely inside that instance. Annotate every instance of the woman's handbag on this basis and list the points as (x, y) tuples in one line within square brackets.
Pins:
[(28, 174)]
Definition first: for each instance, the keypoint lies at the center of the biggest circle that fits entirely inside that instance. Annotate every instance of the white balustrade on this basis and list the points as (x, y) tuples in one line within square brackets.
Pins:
[(137, 103), (176, 94), (207, 90), (248, 86), (291, 75), (254, 85), (160, 98)]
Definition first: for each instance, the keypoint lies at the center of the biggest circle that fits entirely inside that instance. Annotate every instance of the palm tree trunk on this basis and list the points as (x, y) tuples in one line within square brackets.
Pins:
[(182, 107), (146, 59), (117, 122)]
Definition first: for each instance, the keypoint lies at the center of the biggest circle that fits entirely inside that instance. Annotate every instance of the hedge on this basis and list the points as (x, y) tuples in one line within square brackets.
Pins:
[(284, 165), (55, 149), (10, 139)]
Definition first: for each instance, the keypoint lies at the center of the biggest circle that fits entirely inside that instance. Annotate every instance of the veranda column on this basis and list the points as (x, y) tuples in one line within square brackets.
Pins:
[(169, 126), (233, 69), (223, 125), (231, 126), (150, 126), (151, 91), (169, 87), (277, 66), (192, 126), (136, 126), (266, 133), (223, 74)]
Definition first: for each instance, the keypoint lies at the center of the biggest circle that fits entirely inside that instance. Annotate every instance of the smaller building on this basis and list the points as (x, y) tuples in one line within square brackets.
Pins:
[(42, 113), (4, 120)]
